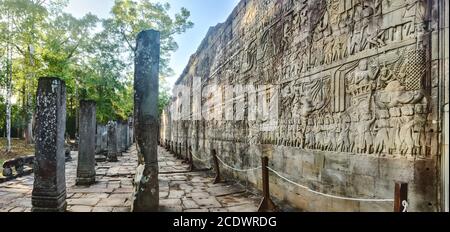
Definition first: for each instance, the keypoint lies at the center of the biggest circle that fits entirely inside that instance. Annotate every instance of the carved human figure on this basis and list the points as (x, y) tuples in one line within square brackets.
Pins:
[(318, 130), (301, 135), (415, 9), (419, 136), (317, 55), (406, 132), (401, 103), (326, 134), (373, 35), (354, 133), (354, 43), (385, 76), (330, 131), (309, 135), (343, 141), (382, 137), (339, 49), (328, 50), (363, 75), (371, 7), (365, 139), (306, 107)]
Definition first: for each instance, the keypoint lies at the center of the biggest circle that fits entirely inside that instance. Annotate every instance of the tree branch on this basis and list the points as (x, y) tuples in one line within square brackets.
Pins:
[(72, 51), (18, 48), (128, 42)]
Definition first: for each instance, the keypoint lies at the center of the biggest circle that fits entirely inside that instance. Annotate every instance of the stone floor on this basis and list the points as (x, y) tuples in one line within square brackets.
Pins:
[(179, 192)]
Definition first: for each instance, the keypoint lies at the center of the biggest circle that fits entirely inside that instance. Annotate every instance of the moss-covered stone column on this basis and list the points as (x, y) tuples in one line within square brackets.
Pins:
[(146, 85), (86, 154), (49, 189), (113, 149)]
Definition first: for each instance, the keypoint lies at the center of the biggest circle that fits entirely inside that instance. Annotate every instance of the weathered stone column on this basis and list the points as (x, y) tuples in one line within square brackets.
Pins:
[(113, 151), (131, 128), (98, 140), (86, 150), (118, 142), (49, 189), (146, 85), (123, 135)]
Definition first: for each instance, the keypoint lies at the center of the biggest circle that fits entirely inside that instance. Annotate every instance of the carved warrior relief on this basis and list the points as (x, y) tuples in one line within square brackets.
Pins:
[(351, 74)]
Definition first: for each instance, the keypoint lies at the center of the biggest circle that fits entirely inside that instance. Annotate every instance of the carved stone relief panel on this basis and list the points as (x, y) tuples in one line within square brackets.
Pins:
[(351, 74)]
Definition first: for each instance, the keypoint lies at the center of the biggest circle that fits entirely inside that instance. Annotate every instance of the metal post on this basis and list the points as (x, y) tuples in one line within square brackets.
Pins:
[(217, 179), (401, 197), (266, 203)]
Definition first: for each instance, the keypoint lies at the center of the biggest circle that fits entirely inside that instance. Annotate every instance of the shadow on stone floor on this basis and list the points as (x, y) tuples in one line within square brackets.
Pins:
[(179, 192)]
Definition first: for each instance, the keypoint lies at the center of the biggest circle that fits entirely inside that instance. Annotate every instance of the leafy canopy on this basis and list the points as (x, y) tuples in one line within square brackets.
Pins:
[(94, 56)]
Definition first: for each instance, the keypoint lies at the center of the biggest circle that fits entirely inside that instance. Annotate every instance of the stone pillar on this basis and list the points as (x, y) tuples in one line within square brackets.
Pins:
[(98, 140), (127, 134), (104, 139), (86, 149), (123, 135), (113, 151), (118, 142), (131, 127), (146, 85), (49, 189)]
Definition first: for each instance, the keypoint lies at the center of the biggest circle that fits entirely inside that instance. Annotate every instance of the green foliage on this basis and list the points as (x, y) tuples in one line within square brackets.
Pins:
[(93, 56), (130, 17), (164, 99)]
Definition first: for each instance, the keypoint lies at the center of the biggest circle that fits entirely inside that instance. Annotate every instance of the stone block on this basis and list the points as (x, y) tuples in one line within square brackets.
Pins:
[(80, 209), (111, 202), (83, 201), (362, 185), (189, 204), (102, 209), (384, 188), (210, 202), (364, 165), (396, 169), (338, 205), (338, 162), (176, 194), (225, 190), (376, 207)]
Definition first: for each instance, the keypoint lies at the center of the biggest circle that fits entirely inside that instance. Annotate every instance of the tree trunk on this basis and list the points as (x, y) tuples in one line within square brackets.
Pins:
[(28, 109), (8, 89)]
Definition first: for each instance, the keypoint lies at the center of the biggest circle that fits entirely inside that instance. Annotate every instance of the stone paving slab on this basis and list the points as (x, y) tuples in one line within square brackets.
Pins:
[(182, 191)]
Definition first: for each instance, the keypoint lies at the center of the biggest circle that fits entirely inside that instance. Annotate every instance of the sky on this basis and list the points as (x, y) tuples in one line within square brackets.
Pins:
[(204, 14)]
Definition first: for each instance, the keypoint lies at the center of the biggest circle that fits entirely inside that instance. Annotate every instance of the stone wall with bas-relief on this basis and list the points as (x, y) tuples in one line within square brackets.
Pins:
[(357, 93)]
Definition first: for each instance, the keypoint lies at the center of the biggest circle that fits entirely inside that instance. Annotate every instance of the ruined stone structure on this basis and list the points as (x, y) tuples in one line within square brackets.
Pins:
[(357, 89), (49, 188), (86, 158), (113, 141)]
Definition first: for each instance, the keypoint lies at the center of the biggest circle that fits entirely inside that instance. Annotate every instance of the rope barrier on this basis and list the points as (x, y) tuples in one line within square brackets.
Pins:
[(201, 160), (405, 204), (236, 169), (328, 195)]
